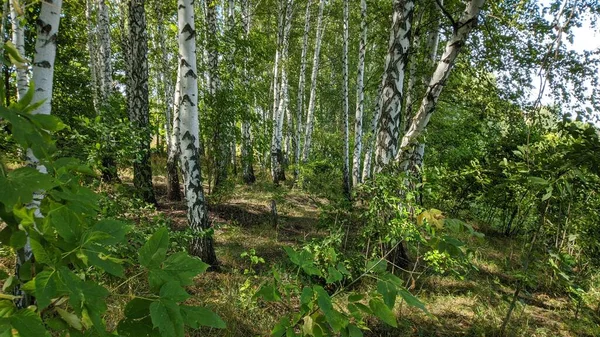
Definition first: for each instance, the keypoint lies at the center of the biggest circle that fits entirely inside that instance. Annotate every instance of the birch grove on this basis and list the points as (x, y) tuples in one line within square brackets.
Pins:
[(300, 94), (346, 165)]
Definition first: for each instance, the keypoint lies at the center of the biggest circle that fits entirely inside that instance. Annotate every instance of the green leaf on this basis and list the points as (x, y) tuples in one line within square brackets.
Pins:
[(104, 261), (307, 295), (388, 291), (41, 255), (333, 275), (355, 297), (137, 328), (138, 308), (281, 327), (354, 331), (45, 288), (115, 228), (172, 291), (268, 292), (28, 324), (18, 239), (7, 308), (184, 267), (154, 251), (166, 316), (19, 185), (412, 300), (334, 318), (196, 317), (67, 224), (70, 318), (382, 311)]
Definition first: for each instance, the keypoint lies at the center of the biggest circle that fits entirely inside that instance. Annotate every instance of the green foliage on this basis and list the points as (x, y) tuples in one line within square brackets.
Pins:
[(74, 249)]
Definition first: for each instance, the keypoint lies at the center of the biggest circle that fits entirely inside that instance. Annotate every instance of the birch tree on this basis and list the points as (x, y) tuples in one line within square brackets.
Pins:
[(189, 142), (43, 75), (310, 116), (300, 98), (346, 166), (138, 105), (18, 39), (360, 96), (367, 163), (280, 89), (461, 29), (393, 82), (247, 150)]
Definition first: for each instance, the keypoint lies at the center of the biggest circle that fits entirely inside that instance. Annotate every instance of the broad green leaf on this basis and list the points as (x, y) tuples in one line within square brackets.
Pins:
[(166, 316), (137, 308), (354, 331), (355, 297), (173, 291), (41, 255), (184, 267), (18, 239), (411, 300), (105, 262), (45, 288), (268, 292), (28, 324), (7, 308), (307, 295), (281, 327), (137, 328), (388, 291), (70, 318), (382, 311), (333, 275), (19, 185), (335, 319), (154, 251), (67, 224), (196, 317), (115, 228)]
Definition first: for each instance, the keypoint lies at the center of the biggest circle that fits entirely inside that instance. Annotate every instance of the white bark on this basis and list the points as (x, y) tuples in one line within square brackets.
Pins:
[(367, 164), (453, 47), (104, 52), (360, 95), (300, 106), (93, 53), (393, 83), (313, 86), (346, 166), (197, 212), (18, 39)]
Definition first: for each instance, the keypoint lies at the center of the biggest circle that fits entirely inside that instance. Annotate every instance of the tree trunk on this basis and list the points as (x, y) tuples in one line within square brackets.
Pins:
[(189, 143), (346, 166), (408, 146), (366, 174), (43, 75), (247, 150), (280, 91), (360, 95), (18, 39), (313, 86), (393, 83), (300, 106), (138, 102)]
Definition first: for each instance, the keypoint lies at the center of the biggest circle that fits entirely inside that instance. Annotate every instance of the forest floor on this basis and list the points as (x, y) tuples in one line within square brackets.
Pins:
[(472, 306)]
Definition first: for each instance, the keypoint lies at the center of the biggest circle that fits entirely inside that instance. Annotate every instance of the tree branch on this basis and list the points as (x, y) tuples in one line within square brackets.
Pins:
[(447, 14)]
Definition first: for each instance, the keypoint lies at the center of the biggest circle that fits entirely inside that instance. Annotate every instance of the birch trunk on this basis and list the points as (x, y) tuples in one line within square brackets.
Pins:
[(93, 52), (346, 167), (277, 170), (18, 39), (300, 106), (171, 112), (247, 150), (104, 52), (408, 145), (43, 75), (367, 164), (138, 102), (313, 86), (189, 145), (220, 145), (360, 95), (393, 83)]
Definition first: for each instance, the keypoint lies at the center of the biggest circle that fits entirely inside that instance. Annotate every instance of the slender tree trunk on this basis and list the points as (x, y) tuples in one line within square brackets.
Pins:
[(197, 212), (173, 155), (313, 86), (393, 83), (138, 102), (280, 94), (346, 167), (300, 106), (43, 75), (360, 96), (247, 150), (408, 146), (367, 164), (18, 39)]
